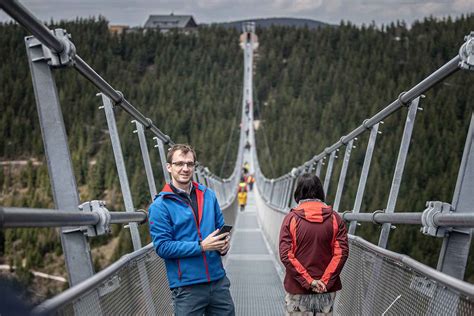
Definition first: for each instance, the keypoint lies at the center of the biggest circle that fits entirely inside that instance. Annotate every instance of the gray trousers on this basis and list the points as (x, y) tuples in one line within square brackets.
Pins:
[(204, 299)]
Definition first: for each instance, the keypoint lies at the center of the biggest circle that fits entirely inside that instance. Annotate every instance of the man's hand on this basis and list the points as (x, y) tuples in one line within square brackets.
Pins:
[(213, 242), (226, 247), (318, 286)]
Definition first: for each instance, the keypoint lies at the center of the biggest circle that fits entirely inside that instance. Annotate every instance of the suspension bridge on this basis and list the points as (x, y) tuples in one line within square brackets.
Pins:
[(376, 281)]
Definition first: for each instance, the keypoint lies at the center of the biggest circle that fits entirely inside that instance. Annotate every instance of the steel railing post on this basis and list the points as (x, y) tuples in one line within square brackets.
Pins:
[(400, 166), (76, 249), (161, 152), (327, 179), (342, 176), (63, 181), (364, 174), (455, 250), (127, 194), (319, 167), (146, 159), (121, 170)]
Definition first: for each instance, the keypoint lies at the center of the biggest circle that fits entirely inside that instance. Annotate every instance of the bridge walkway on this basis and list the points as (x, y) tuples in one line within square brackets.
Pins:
[(256, 283)]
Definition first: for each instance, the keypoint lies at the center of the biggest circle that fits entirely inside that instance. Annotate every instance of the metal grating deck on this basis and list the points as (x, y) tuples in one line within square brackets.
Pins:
[(256, 286)]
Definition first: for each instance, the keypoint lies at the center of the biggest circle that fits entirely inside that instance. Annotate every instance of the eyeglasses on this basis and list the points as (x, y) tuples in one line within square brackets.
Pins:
[(181, 164)]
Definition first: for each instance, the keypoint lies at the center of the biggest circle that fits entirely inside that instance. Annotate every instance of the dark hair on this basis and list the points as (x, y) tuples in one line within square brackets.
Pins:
[(308, 186), (184, 149)]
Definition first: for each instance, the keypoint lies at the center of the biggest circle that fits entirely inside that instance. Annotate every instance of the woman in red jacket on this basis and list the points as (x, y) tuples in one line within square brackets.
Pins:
[(313, 248)]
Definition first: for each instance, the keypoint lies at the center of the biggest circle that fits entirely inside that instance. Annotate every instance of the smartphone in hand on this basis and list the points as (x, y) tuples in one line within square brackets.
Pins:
[(224, 229)]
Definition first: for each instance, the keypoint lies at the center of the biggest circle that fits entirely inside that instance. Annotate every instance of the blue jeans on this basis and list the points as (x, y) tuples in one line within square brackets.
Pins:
[(204, 299)]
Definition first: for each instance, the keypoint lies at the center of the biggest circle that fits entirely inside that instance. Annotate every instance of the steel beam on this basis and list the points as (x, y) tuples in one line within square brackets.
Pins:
[(121, 170), (400, 166), (63, 182), (146, 159), (364, 174), (161, 151), (342, 176), (327, 179), (455, 249)]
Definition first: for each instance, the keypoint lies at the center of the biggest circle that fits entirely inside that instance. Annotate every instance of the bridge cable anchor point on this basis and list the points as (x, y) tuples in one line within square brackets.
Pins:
[(466, 53), (434, 208), (65, 57), (103, 225)]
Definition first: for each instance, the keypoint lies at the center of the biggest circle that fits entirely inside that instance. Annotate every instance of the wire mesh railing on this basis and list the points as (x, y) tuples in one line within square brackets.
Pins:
[(119, 289), (380, 282)]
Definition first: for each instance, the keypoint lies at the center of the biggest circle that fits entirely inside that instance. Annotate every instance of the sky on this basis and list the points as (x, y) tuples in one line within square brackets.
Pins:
[(135, 12)]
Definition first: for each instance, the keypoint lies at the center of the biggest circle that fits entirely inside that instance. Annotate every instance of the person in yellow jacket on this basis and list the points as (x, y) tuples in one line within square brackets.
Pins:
[(242, 193)]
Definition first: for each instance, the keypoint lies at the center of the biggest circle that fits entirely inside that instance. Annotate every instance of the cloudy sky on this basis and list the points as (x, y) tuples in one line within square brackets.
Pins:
[(135, 12)]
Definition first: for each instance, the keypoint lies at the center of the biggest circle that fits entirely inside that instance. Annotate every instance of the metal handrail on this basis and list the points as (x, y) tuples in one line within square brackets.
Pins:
[(49, 306), (414, 218), (15, 217), (456, 284), (405, 98)]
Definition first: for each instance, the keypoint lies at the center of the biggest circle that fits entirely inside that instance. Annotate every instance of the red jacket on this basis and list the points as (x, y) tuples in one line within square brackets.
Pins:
[(313, 245)]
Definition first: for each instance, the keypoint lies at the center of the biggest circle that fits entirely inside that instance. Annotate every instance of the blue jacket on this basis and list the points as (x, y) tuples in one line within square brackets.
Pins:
[(175, 234)]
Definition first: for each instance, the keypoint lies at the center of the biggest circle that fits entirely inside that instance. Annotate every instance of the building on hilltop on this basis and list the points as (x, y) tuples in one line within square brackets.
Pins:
[(165, 23), (118, 29)]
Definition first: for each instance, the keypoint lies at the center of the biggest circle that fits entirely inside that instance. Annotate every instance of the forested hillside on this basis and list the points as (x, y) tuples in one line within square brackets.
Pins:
[(312, 87), (189, 85)]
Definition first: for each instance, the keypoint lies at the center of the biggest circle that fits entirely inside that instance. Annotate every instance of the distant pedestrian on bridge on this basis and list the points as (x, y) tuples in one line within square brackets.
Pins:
[(250, 181), (242, 193), (313, 249), (185, 218)]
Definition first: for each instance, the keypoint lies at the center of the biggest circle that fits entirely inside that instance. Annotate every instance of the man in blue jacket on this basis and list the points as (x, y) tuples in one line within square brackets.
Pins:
[(185, 218)]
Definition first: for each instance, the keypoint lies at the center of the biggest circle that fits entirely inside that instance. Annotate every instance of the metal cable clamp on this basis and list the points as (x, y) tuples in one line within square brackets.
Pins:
[(64, 57), (103, 226), (466, 53), (373, 216), (427, 218)]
